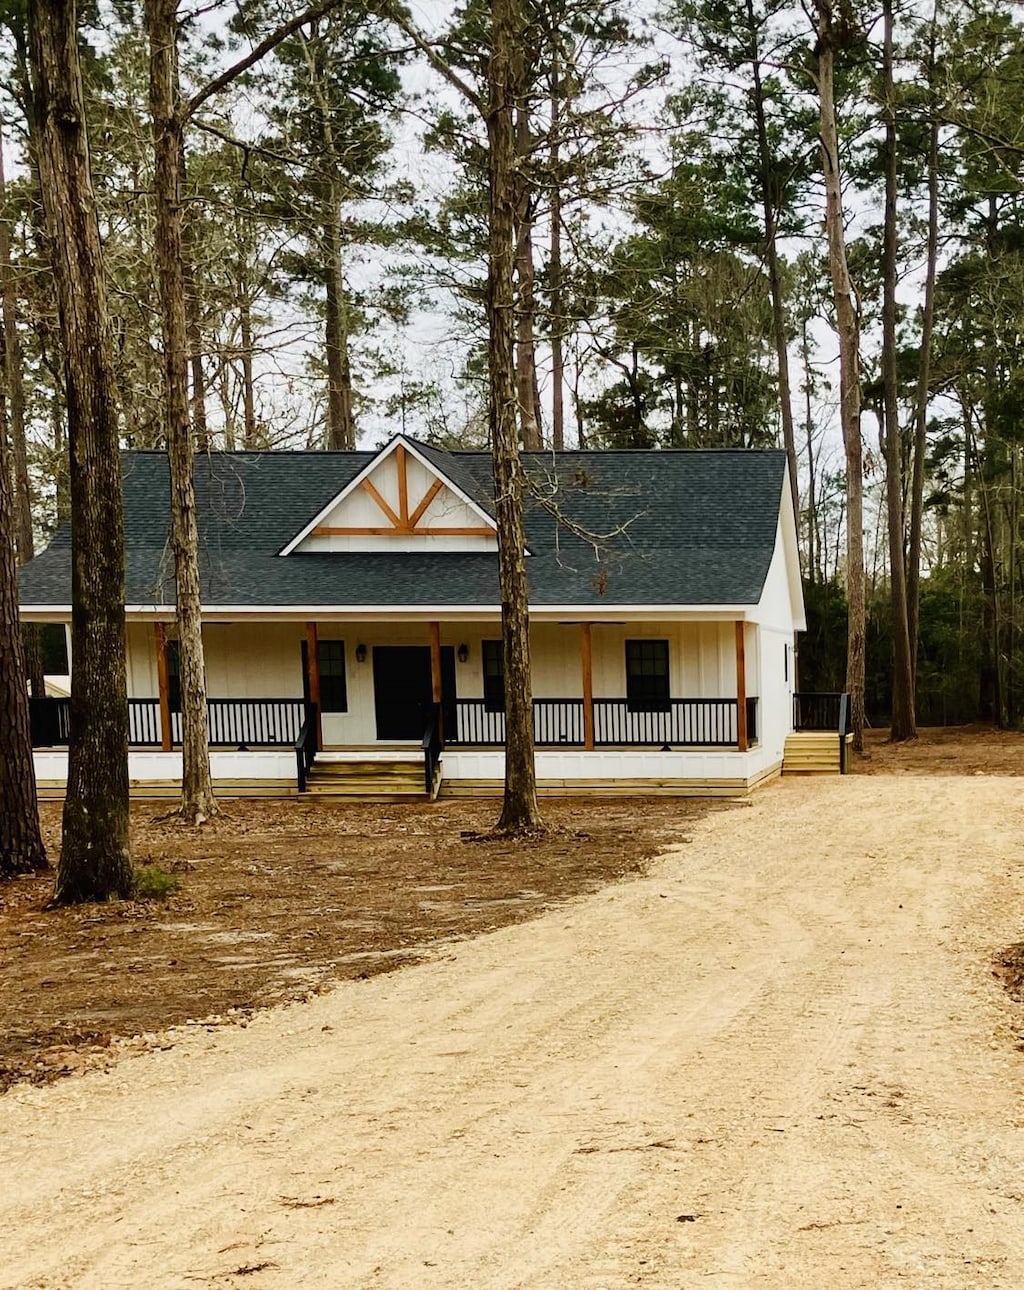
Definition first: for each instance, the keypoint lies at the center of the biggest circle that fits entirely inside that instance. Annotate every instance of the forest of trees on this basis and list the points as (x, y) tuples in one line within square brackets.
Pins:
[(557, 223)]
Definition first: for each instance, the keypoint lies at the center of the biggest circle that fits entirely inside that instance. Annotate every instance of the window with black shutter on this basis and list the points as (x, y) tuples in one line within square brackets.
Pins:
[(647, 679), (493, 660)]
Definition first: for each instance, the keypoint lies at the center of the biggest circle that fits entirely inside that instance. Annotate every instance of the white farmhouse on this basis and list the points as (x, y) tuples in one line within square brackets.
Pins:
[(351, 606)]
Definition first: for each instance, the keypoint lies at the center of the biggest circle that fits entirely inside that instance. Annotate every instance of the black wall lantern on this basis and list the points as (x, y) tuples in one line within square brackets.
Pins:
[(360, 653), (463, 653)]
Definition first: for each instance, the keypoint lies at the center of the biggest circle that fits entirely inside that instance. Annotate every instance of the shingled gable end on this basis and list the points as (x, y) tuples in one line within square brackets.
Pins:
[(665, 595)]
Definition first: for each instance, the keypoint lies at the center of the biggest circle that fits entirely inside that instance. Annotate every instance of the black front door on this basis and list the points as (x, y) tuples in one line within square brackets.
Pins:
[(402, 689)]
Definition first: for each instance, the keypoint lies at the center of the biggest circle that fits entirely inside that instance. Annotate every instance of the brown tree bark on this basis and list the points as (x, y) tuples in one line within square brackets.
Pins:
[(195, 339), (526, 346), (813, 542), (21, 842), (197, 797), (780, 328), (903, 723), (520, 810), (14, 384), (848, 325), (248, 389), (341, 429), (556, 322), (924, 364), (94, 859)]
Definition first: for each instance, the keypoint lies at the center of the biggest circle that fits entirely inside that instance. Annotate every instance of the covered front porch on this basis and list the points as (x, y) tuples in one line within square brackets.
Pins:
[(665, 705)]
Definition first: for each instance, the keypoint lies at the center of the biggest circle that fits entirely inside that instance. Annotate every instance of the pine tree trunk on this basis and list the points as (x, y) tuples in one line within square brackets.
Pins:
[(195, 357), (556, 322), (849, 371), (526, 350), (924, 368), (197, 798), (813, 541), (903, 724), (520, 811), (21, 843), (248, 392), (94, 860), (14, 383), (341, 430), (779, 326)]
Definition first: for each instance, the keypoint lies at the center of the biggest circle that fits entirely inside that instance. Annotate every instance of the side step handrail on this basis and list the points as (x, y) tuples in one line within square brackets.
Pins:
[(433, 746), (305, 745), (844, 723)]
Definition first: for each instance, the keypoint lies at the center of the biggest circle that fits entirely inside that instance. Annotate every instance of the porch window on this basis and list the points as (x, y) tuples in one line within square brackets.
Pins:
[(333, 687), (493, 659), (333, 690), (647, 680)]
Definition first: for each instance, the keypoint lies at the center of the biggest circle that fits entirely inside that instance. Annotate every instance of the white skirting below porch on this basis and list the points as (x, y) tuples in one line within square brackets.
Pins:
[(260, 773), (272, 773), (627, 773)]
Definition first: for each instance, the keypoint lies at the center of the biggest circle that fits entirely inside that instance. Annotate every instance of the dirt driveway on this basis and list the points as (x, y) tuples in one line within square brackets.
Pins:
[(778, 1059)]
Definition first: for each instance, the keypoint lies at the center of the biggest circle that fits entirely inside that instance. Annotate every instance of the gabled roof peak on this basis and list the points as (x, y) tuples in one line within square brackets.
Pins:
[(406, 495)]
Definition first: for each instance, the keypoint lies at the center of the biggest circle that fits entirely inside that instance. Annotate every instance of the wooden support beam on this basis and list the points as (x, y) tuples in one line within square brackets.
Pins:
[(163, 685), (313, 670), (586, 660), (428, 497), (325, 530), (741, 688), (401, 459), (436, 681), (367, 487)]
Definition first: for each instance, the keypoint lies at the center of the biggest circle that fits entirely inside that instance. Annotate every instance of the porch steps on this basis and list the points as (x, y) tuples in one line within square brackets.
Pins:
[(812, 752), (367, 779)]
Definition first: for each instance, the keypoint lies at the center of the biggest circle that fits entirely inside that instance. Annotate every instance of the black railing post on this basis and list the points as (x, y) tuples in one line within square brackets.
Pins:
[(844, 718), (432, 746), (305, 744)]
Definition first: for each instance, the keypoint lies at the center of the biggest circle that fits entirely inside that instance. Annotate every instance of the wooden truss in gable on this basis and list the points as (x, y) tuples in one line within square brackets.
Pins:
[(403, 521)]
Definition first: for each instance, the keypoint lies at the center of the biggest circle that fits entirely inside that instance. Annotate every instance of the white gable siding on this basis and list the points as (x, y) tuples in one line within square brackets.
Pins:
[(359, 510)]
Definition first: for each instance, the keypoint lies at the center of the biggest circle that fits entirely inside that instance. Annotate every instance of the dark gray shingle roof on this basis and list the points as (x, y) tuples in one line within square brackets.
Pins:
[(683, 528)]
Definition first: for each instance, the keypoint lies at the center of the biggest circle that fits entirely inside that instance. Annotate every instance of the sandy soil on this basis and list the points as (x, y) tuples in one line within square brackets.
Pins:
[(278, 900), (943, 750), (778, 1059)]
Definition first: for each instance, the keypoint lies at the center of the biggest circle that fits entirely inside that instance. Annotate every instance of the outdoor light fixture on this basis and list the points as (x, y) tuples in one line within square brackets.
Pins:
[(463, 653), (360, 653)]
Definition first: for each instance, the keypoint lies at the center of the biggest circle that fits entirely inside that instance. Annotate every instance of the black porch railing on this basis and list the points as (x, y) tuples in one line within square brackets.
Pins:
[(694, 723), (817, 711), (824, 712), (556, 722), (50, 722), (700, 723), (232, 723), (479, 725)]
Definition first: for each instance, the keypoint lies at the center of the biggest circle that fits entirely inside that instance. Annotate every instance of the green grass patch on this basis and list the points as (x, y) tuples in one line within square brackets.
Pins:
[(154, 883)]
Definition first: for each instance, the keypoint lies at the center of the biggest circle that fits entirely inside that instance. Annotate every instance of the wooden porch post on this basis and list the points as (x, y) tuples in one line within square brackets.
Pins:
[(436, 687), (313, 667), (163, 687), (741, 689), (586, 659)]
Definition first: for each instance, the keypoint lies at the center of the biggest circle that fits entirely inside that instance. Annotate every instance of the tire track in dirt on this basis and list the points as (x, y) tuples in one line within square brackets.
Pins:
[(768, 1063)]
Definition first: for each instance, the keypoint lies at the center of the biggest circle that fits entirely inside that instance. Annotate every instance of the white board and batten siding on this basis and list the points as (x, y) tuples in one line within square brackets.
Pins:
[(779, 615), (264, 660), (356, 508)]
